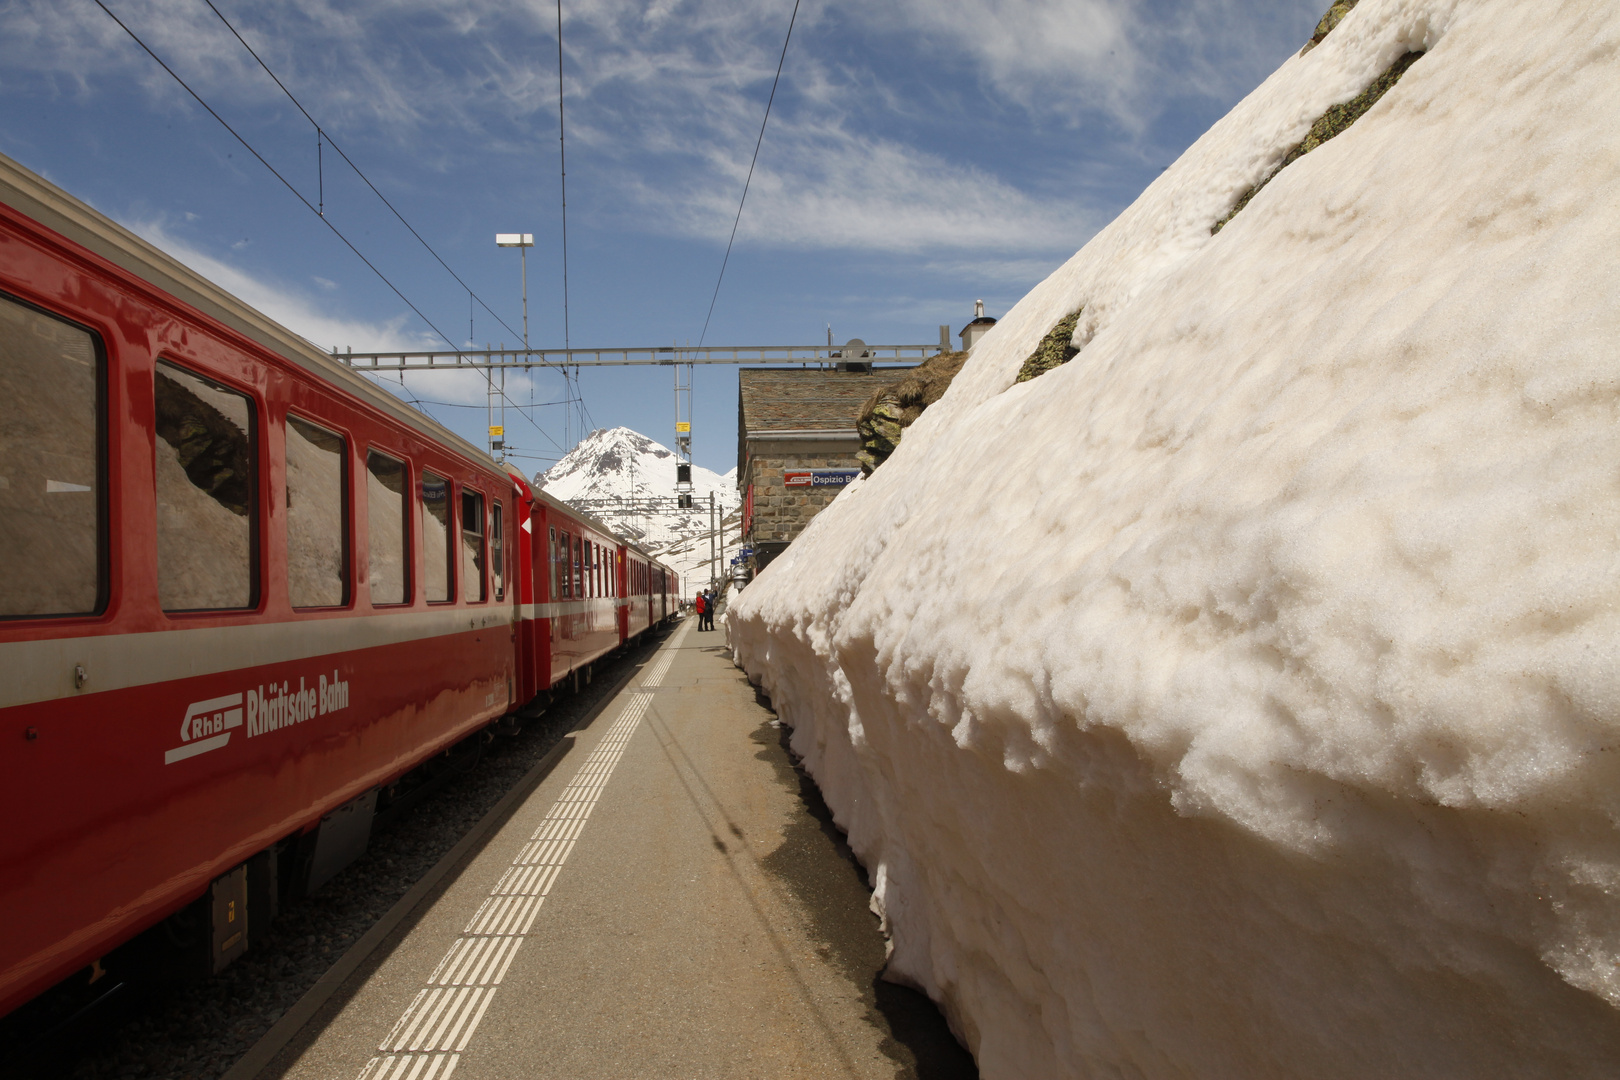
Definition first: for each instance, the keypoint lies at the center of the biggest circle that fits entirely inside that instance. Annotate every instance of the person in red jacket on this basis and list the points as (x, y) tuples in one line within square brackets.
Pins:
[(701, 606)]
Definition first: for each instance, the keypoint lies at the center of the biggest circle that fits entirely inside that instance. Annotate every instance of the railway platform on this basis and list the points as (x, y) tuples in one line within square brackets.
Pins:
[(666, 902)]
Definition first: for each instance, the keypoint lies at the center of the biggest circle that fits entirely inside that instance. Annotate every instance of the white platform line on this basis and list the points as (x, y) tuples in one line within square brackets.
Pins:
[(427, 1041), (410, 1067)]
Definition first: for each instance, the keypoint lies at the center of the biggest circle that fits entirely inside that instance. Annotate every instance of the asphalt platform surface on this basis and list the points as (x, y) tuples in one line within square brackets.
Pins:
[(671, 900)]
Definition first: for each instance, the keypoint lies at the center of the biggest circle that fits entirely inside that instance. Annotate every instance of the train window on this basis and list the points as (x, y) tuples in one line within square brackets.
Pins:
[(51, 476), (436, 554), (207, 493), (559, 577), (579, 567), (317, 516), (497, 550), (386, 523), (472, 546)]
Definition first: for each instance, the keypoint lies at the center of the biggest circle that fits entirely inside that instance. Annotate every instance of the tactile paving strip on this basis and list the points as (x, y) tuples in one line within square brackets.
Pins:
[(430, 1037)]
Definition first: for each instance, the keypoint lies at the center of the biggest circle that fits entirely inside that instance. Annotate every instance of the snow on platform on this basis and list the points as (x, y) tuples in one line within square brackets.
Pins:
[(1242, 698)]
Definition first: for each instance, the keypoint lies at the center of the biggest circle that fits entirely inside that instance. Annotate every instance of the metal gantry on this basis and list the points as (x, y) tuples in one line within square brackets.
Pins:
[(652, 355), (680, 357)]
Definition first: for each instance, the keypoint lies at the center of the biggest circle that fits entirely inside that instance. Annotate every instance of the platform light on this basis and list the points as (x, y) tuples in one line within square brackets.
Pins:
[(522, 241)]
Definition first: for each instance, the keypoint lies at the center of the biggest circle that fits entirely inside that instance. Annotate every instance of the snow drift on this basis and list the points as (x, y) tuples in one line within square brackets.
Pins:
[(1257, 712)]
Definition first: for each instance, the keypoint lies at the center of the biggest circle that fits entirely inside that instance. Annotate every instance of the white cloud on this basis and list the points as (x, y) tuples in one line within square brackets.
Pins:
[(295, 311), (829, 189), (665, 98)]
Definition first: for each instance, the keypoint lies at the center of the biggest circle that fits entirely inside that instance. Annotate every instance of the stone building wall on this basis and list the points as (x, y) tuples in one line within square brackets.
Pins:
[(781, 514), (791, 419)]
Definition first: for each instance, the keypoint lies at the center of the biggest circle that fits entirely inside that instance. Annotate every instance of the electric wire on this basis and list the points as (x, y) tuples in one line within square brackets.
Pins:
[(321, 132), (520, 408), (562, 162), (562, 166), (741, 202), (307, 205), (285, 182)]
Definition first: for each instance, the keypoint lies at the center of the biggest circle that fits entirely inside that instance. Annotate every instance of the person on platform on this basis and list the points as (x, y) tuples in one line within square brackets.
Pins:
[(699, 605)]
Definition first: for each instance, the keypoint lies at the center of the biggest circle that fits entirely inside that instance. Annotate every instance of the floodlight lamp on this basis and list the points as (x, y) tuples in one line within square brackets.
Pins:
[(512, 239)]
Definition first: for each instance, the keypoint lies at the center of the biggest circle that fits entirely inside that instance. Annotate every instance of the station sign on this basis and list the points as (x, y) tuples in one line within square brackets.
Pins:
[(814, 478)]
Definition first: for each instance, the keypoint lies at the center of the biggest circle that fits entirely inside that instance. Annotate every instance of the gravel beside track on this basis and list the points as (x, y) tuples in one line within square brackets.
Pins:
[(198, 1030)]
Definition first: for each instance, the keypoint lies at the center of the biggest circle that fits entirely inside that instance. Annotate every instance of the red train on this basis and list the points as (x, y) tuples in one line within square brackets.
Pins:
[(242, 591)]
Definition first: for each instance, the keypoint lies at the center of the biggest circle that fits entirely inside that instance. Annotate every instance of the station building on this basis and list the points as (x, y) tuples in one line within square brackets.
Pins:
[(797, 441), (796, 447)]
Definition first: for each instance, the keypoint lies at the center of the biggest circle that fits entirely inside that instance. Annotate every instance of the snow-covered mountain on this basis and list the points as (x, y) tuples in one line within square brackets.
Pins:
[(628, 480)]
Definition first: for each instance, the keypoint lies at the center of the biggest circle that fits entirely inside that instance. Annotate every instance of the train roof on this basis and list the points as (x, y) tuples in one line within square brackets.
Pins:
[(41, 200)]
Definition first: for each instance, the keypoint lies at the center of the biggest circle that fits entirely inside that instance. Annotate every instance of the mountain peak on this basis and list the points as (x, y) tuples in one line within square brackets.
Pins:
[(628, 480)]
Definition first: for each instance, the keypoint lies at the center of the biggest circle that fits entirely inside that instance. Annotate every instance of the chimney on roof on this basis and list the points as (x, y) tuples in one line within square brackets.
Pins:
[(976, 329)]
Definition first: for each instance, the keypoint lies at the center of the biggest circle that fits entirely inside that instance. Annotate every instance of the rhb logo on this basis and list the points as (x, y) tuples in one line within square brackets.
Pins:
[(208, 725)]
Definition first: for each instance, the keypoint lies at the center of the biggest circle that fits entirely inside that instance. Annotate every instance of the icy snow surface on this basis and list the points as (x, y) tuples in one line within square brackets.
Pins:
[(1241, 699)]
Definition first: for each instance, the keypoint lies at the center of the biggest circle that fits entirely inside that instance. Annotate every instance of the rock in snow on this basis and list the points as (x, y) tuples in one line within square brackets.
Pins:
[(1256, 712)]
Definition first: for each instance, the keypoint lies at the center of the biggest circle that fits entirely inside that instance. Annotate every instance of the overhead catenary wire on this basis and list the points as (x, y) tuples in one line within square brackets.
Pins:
[(273, 172), (321, 133), (562, 164), (300, 196), (562, 168), (519, 408), (743, 201)]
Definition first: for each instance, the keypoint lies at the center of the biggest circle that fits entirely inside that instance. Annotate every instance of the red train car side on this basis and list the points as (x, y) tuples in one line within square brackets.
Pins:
[(246, 589)]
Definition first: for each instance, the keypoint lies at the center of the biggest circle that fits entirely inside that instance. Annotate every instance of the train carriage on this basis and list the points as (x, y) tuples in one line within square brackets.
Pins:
[(244, 591)]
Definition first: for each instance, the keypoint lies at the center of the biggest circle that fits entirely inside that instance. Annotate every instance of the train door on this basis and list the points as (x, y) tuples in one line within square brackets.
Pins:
[(620, 604), (525, 594)]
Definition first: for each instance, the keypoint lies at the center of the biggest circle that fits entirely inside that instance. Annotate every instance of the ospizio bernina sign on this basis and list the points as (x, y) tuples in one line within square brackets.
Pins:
[(819, 477)]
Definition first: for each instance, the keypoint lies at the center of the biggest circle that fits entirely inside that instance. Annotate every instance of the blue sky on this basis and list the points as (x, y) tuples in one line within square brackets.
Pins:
[(921, 154)]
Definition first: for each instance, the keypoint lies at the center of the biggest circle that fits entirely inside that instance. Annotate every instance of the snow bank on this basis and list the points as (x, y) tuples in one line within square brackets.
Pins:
[(1260, 715)]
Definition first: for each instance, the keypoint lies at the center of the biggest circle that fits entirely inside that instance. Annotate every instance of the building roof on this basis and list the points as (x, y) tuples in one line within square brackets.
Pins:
[(804, 399), (801, 399)]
